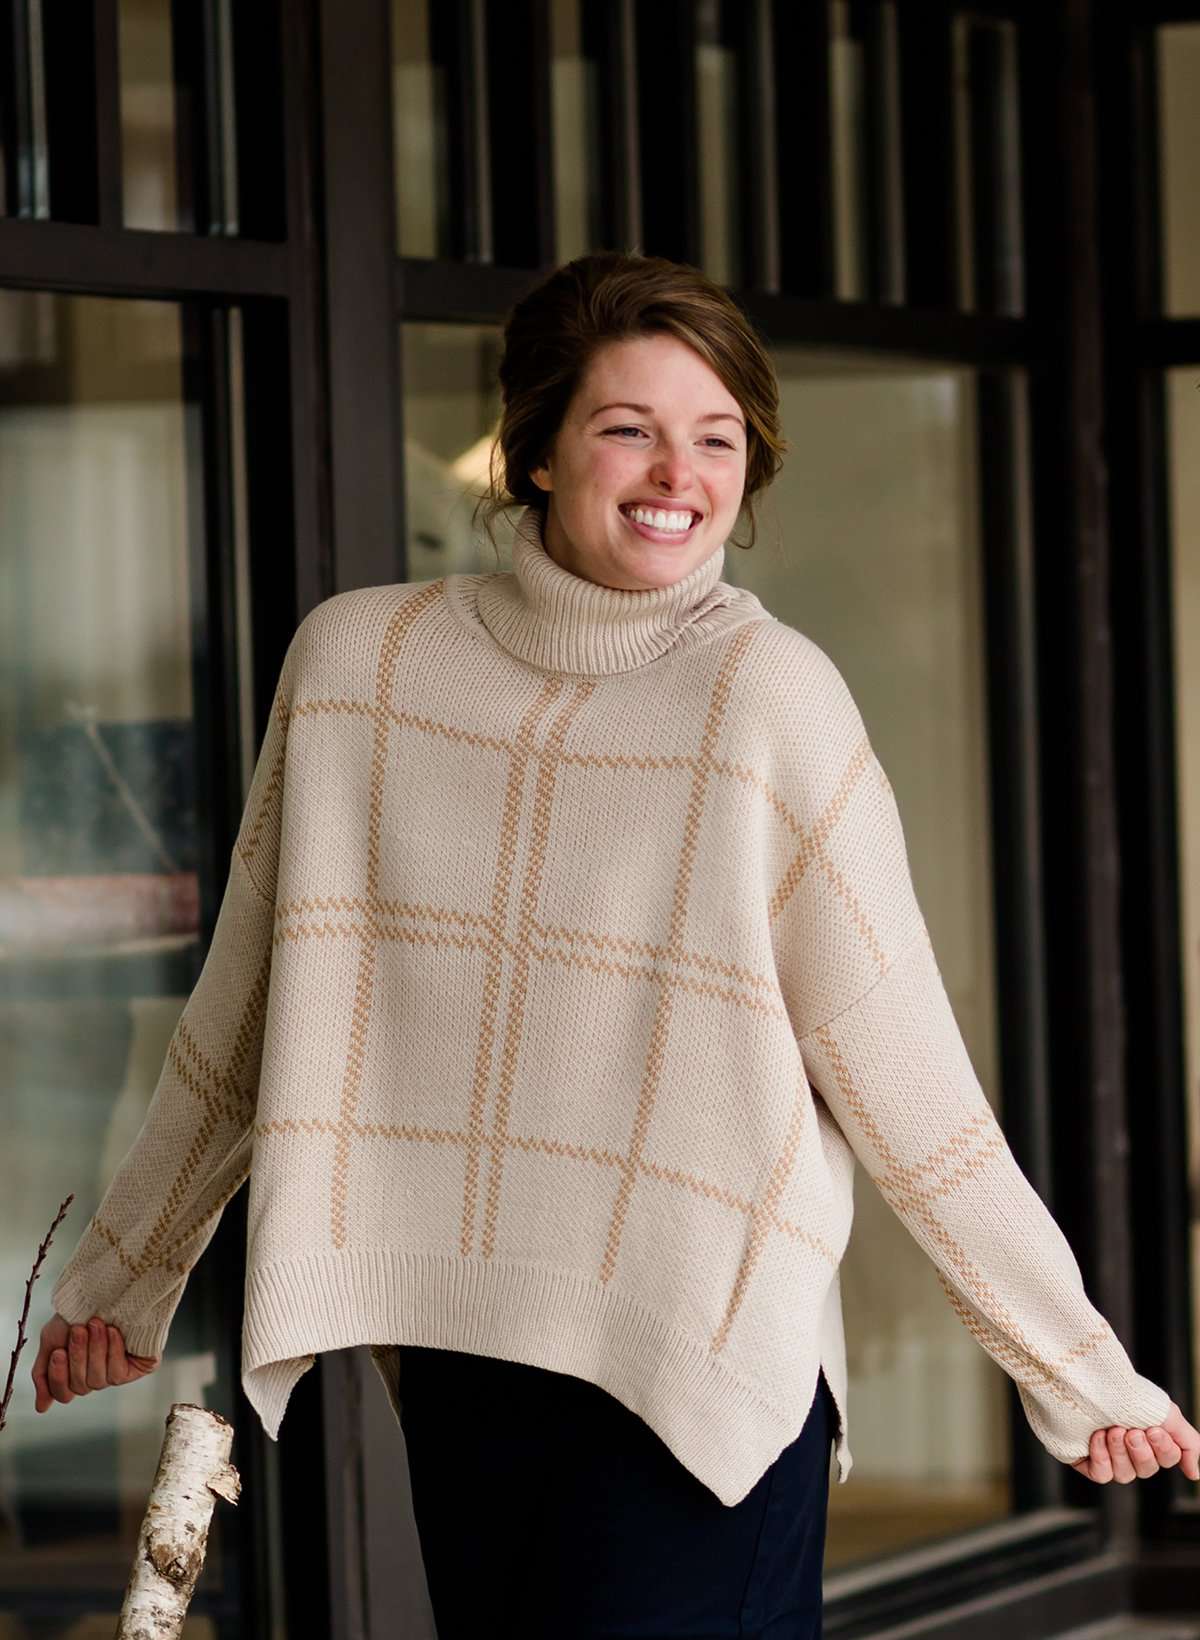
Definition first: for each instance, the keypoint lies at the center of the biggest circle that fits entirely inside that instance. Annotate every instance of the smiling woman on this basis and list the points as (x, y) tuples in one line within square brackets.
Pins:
[(636, 386), (641, 504)]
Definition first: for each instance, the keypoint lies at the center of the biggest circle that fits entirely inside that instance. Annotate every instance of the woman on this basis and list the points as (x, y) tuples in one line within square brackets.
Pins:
[(568, 962)]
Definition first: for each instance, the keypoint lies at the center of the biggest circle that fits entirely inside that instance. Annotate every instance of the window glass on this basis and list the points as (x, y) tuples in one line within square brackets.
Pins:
[(419, 135), (1183, 406), (451, 412), (717, 115), (573, 89), (868, 542), (100, 935), (168, 182), (1179, 140)]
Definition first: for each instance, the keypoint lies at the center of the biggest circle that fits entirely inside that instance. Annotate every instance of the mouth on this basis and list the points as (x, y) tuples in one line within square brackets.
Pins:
[(660, 523)]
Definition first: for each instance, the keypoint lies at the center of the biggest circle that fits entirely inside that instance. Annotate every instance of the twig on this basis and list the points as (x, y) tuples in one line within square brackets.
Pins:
[(33, 1275)]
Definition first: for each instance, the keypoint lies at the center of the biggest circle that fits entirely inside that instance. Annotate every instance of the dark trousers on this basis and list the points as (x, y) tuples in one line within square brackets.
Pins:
[(547, 1510)]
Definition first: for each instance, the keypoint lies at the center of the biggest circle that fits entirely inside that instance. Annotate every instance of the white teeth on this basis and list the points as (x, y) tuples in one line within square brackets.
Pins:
[(659, 520)]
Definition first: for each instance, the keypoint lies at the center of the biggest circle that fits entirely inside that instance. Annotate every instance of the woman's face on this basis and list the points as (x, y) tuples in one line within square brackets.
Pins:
[(651, 424)]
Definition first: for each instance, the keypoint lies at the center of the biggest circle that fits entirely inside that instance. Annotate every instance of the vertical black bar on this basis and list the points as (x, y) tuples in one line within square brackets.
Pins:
[(16, 109), (108, 115), (927, 143), (1146, 729), (804, 149), (995, 227), (193, 68), (259, 119), (521, 135), (360, 257), (609, 39), (209, 507), (457, 49), (753, 24), (69, 59), (882, 218), (1072, 532), (286, 353), (667, 124), (1012, 717)]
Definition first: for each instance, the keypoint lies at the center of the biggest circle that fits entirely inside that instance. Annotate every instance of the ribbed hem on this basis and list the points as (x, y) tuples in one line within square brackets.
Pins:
[(76, 1305), (721, 1428)]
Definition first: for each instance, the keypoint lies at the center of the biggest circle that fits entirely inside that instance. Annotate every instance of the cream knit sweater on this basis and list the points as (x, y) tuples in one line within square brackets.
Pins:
[(568, 961)]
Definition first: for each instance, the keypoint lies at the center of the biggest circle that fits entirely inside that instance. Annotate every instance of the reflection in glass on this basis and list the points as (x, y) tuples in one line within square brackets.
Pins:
[(451, 412), (148, 174), (868, 543), (1179, 141), (1183, 408), (419, 133), (100, 938), (717, 116)]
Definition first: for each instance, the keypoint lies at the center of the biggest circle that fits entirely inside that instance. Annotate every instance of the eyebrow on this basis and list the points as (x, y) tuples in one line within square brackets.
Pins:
[(647, 410)]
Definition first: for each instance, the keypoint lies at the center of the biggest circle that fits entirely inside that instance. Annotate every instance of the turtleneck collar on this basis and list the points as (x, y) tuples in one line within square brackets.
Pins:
[(563, 622)]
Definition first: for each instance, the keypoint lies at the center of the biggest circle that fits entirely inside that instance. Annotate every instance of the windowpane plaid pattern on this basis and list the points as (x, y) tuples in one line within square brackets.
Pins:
[(568, 963)]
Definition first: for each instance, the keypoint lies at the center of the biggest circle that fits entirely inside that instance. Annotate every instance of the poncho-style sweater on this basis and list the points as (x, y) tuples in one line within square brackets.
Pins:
[(569, 960)]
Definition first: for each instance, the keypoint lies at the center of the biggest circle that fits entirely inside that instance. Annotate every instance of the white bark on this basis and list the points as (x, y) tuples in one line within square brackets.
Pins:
[(193, 1471)]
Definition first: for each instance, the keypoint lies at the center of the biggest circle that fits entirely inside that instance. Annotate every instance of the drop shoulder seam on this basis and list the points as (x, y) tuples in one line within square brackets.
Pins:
[(920, 934)]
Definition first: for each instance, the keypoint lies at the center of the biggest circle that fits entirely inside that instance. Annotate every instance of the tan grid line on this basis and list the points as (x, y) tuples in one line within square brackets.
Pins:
[(510, 816), (380, 932), (518, 985), (245, 1034), (398, 628), (409, 1132), (899, 1186), (662, 1018)]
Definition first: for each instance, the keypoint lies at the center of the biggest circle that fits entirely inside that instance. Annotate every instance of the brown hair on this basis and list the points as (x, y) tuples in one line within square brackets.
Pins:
[(553, 332)]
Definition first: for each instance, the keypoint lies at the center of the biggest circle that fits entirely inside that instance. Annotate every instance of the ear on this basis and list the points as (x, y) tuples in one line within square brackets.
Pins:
[(541, 477)]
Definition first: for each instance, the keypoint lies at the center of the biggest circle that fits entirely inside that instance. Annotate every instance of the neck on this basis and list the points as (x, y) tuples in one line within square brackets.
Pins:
[(563, 622)]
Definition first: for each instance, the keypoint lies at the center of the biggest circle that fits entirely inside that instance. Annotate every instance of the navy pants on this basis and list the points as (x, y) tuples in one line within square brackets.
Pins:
[(546, 1509)]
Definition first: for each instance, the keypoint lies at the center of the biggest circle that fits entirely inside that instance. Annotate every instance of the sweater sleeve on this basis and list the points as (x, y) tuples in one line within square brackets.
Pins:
[(886, 1055), (192, 1153)]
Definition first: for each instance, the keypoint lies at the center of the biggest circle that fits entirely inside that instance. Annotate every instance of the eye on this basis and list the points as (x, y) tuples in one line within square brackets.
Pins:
[(624, 429), (723, 442)]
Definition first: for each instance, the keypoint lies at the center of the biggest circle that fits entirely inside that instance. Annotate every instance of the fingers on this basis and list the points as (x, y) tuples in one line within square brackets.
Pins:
[(1122, 1466), (42, 1398), (1166, 1450), (1100, 1467), (1141, 1454), (57, 1375)]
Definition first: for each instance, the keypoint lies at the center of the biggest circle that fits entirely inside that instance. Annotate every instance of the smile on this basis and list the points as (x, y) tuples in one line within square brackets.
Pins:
[(660, 523)]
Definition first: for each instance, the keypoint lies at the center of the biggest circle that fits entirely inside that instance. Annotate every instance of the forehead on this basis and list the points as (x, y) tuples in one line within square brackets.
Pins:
[(651, 369)]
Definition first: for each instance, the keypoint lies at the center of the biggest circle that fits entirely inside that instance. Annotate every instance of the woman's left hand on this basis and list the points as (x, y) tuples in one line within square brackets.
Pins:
[(1120, 1454)]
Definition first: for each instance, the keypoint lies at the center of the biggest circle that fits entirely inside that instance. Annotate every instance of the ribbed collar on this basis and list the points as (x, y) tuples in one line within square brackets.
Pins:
[(563, 622)]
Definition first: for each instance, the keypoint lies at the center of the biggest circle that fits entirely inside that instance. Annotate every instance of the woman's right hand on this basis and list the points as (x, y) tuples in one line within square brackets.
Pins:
[(74, 1361)]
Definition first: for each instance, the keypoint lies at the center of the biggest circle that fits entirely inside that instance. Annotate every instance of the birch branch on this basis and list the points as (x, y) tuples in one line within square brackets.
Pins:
[(33, 1275), (193, 1472)]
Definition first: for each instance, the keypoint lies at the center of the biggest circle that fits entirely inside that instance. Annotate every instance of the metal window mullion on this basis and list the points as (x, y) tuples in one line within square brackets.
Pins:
[(108, 115), (667, 126), (458, 45), (759, 154), (17, 135), (610, 41), (1015, 807), (68, 60), (926, 64), (520, 132), (804, 149)]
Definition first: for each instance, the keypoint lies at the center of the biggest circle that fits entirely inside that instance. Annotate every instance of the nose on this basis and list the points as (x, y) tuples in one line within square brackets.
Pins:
[(671, 469)]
